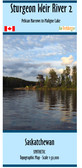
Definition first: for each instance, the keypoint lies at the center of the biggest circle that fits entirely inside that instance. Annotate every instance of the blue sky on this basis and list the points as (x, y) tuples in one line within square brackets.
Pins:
[(26, 56)]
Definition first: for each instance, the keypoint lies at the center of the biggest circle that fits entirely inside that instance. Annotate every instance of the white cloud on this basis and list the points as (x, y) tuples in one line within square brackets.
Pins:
[(75, 63), (47, 38), (37, 53), (67, 60), (46, 70), (58, 71), (47, 54)]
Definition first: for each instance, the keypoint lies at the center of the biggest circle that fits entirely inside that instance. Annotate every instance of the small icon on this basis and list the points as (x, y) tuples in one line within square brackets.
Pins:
[(9, 28)]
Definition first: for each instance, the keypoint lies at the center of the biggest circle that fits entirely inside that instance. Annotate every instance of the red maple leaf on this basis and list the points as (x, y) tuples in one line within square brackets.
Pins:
[(9, 28)]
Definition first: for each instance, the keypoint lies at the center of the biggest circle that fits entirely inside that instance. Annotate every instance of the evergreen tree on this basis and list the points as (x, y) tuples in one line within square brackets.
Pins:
[(40, 79), (74, 76), (53, 78)]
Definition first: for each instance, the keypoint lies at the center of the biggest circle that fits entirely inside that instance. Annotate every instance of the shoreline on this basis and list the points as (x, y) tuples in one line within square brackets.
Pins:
[(43, 88)]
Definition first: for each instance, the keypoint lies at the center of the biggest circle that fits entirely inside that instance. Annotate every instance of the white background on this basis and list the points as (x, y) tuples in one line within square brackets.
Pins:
[(79, 99)]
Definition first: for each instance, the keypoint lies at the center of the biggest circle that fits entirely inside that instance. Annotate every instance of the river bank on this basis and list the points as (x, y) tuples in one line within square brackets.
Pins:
[(42, 88)]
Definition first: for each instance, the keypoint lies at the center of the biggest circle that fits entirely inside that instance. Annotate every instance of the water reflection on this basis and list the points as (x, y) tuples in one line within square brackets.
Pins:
[(39, 110)]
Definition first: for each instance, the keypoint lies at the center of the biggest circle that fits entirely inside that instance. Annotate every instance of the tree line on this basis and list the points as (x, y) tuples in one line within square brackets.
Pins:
[(11, 82), (65, 80)]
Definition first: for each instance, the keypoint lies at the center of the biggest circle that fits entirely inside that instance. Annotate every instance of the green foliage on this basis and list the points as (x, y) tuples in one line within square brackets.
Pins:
[(46, 82), (53, 78), (65, 80), (27, 87), (74, 76), (40, 80)]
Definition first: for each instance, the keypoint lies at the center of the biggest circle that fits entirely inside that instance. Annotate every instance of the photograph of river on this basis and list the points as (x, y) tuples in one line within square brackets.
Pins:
[(39, 82), (40, 110)]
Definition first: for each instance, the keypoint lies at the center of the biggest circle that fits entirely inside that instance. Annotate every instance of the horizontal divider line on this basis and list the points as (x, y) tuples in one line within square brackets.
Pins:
[(40, 33), (39, 131), (40, 1), (63, 165)]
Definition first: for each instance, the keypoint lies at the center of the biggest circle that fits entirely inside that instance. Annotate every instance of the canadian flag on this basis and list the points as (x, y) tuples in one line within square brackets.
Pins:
[(9, 28)]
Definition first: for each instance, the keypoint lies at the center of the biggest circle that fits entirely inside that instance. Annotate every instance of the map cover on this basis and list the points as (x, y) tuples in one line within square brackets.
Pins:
[(39, 83)]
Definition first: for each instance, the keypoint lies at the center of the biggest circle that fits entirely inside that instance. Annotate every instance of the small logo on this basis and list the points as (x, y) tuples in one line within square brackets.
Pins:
[(67, 28), (9, 28)]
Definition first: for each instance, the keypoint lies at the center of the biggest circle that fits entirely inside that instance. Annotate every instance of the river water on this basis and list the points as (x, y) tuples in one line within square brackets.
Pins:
[(39, 110)]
